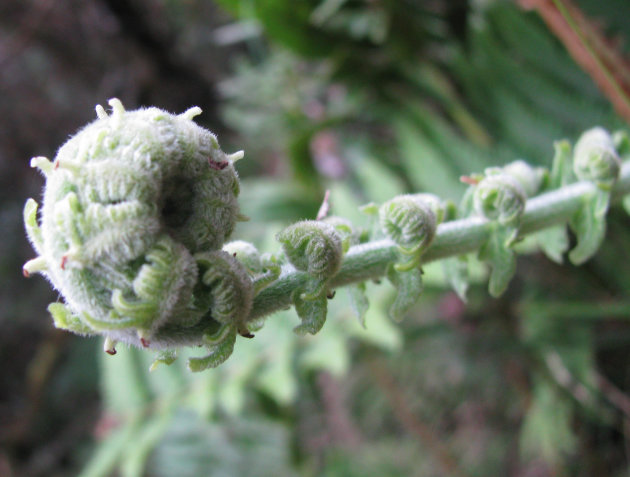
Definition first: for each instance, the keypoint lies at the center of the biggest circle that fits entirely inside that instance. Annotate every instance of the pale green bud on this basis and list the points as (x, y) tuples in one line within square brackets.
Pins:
[(410, 221), (530, 178), (595, 158), (314, 247), (500, 197), (231, 288), (246, 253)]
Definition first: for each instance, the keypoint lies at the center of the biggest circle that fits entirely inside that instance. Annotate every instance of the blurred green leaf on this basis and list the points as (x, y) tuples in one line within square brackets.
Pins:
[(108, 453), (546, 431), (497, 252), (289, 23), (125, 381), (327, 351), (377, 181), (245, 447), (554, 242), (589, 225), (136, 452), (312, 313), (408, 286), (359, 300), (428, 171), (456, 273)]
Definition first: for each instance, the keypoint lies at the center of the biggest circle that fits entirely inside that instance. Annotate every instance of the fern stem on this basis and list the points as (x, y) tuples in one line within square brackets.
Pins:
[(369, 261)]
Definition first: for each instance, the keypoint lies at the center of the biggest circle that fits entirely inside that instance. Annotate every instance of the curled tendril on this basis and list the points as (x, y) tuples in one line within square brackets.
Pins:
[(409, 221), (500, 197), (231, 291), (129, 201), (229, 294), (530, 178), (263, 268), (220, 345), (246, 253), (313, 247), (595, 158), (621, 141), (350, 236), (437, 205)]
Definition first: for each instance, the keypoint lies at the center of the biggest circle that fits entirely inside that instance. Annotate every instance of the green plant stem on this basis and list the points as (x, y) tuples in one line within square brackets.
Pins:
[(582, 311), (369, 261)]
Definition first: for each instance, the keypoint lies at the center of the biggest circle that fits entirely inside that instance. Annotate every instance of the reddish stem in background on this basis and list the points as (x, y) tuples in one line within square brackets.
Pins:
[(425, 434), (590, 49), (217, 165), (469, 180)]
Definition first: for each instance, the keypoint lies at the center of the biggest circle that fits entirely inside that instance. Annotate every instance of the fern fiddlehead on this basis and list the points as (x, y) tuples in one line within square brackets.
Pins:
[(129, 202), (138, 205), (315, 248)]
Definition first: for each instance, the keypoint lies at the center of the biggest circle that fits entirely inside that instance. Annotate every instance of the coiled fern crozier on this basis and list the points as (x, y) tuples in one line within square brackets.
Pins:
[(138, 207)]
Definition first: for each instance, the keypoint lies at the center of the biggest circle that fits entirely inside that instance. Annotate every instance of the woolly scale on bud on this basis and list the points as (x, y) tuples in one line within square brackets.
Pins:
[(130, 204)]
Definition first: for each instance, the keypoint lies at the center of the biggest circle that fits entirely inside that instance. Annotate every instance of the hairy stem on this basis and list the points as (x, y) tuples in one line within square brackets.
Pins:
[(369, 261)]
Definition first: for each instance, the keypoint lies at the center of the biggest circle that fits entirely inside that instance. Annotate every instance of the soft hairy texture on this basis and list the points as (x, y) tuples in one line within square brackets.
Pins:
[(410, 220), (232, 291), (138, 205), (245, 253), (528, 177), (314, 247), (129, 201)]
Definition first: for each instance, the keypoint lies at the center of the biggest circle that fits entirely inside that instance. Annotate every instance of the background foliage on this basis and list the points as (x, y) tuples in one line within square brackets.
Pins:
[(366, 99)]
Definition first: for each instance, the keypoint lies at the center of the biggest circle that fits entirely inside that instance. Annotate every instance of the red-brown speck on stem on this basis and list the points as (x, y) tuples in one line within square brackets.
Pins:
[(25, 273), (217, 165), (64, 260), (145, 342), (469, 180), (111, 352), (246, 333), (325, 207)]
